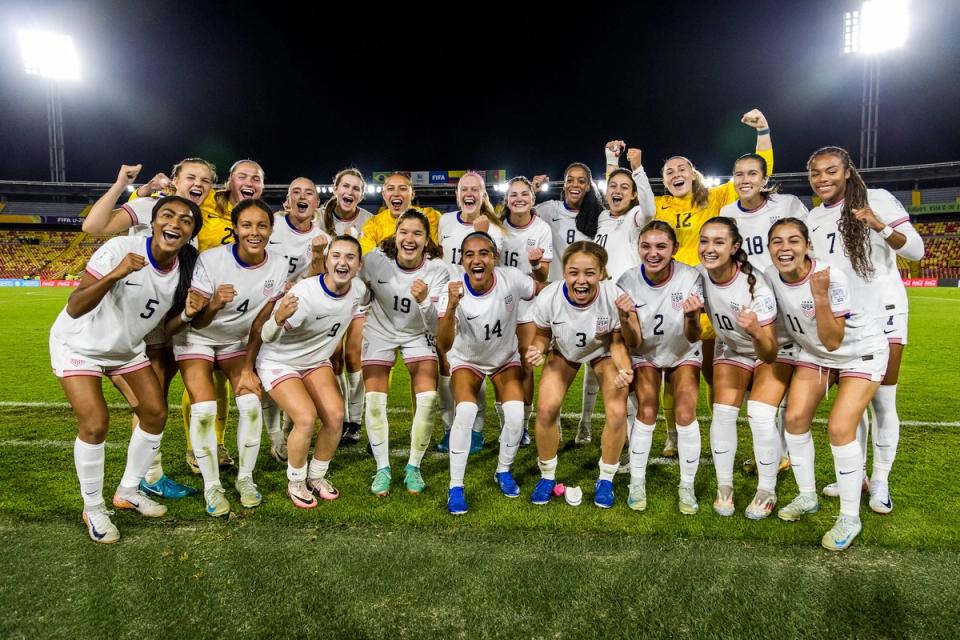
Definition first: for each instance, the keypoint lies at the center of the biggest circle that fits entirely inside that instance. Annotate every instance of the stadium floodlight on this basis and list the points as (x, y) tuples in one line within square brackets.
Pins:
[(602, 186), (545, 187), (53, 57), (49, 55), (878, 26), (371, 189)]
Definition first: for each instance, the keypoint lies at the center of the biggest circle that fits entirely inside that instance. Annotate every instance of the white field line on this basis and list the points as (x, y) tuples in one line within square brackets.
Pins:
[(404, 411)]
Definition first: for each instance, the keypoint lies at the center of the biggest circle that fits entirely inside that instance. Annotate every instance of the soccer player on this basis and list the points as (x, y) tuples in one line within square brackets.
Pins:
[(406, 279), (477, 330), (237, 280), (129, 285), (861, 232), (749, 354), (660, 320), (192, 179), (299, 336), (573, 218), (580, 315), (687, 204), (475, 214), (528, 246), (341, 215), (838, 344), (398, 195)]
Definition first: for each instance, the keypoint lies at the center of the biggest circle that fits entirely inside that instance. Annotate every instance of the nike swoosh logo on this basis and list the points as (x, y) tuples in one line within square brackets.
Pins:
[(846, 473), (251, 445), (96, 534), (766, 464), (132, 284), (382, 281), (556, 219), (640, 306), (692, 461), (156, 447), (885, 332), (90, 493), (473, 317), (457, 453), (445, 237), (273, 242), (376, 444), (665, 207), (881, 446), (564, 322), (814, 229), (720, 453), (888, 504)]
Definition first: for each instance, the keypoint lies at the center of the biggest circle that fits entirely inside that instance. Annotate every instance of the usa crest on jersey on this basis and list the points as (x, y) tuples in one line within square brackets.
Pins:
[(676, 299), (808, 308), (268, 288), (603, 325)]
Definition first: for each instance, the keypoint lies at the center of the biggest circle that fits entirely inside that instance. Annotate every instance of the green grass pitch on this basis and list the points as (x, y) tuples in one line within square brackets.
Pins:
[(400, 567)]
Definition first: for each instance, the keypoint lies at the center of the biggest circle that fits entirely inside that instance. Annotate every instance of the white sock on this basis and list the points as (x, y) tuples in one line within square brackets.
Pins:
[(688, 450), (766, 443), (272, 422), (89, 460), (378, 429), (481, 408), (295, 474), (548, 468), (498, 407), (140, 452), (848, 462), (527, 411), (802, 455), (608, 471), (863, 432), (631, 410), (286, 425), (342, 385), (511, 434), (723, 442), (886, 432), (591, 386), (422, 427), (463, 419), (203, 437), (249, 432), (354, 396), (318, 468), (641, 438), (446, 402), (782, 425), (155, 471)]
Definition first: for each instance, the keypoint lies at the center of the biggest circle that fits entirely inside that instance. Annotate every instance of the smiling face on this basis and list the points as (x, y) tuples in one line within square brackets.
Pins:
[(302, 199), (253, 230), (479, 257), (172, 227), (576, 183), (519, 197), (678, 176), (411, 240), (470, 195), (788, 247), (716, 246), (193, 181), (828, 177), (748, 179), (343, 263), (582, 274), (397, 194), (656, 252), (348, 192), (620, 193), (246, 181)]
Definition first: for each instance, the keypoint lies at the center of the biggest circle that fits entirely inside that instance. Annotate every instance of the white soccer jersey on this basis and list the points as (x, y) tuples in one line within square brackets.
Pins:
[(581, 334), (295, 246), (486, 324), (140, 211), (133, 307), (313, 332), (350, 227), (755, 223), (884, 294), (452, 231), (393, 313), (861, 336), (723, 300), (620, 236), (518, 240), (563, 226), (255, 286), (660, 311)]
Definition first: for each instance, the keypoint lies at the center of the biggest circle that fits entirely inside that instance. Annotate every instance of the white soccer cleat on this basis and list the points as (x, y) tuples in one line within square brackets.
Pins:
[(801, 505), (880, 501), (687, 501), (584, 434), (99, 525), (139, 502), (842, 534)]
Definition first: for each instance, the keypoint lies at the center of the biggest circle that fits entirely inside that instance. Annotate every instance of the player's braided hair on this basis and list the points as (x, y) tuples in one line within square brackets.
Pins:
[(326, 212), (431, 250), (187, 258), (739, 256), (854, 233)]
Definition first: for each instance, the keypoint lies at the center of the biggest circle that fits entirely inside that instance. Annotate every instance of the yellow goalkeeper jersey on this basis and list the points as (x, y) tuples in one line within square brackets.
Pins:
[(383, 225)]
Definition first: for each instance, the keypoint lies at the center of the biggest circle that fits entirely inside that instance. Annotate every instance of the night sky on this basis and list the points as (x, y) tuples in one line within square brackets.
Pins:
[(309, 91)]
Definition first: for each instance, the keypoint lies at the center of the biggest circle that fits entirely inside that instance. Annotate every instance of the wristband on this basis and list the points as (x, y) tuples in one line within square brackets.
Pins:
[(612, 157), (763, 132), (185, 318), (886, 232), (271, 330)]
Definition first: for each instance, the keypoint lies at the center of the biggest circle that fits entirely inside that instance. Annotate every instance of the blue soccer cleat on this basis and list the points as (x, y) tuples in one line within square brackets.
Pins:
[(456, 501), (543, 491), (507, 484), (603, 494), (166, 488)]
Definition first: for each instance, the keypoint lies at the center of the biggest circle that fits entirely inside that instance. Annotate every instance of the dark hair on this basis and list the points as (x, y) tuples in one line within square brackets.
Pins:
[(431, 250), (797, 222), (186, 257), (250, 203), (635, 200), (588, 247), (769, 188), (590, 207), (701, 195), (479, 234), (854, 233), (660, 225), (740, 256), (328, 208), (346, 237)]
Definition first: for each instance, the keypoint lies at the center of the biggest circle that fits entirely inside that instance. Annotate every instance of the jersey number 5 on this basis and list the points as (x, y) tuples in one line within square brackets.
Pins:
[(150, 309)]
